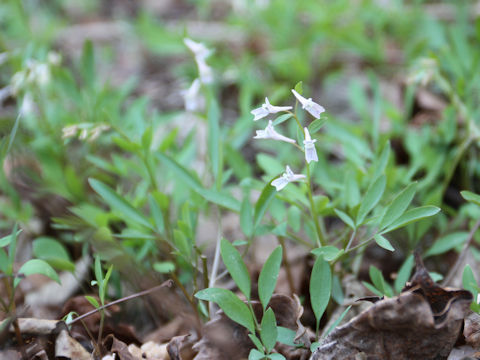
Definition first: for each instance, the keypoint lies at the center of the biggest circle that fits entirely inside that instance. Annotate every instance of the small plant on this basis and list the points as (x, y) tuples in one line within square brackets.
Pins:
[(11, 279)]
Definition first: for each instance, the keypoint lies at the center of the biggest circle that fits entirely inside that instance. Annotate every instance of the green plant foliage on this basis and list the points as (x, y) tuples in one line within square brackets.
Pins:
[(233, 307), (320, 287), (236, 267), (269, 275)]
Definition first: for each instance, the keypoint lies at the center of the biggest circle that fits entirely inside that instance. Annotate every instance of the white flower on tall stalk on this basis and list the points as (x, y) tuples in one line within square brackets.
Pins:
[(205, 72), (69, 131), (310, 151), (201, 53), (312, 107), (287, 177), (266, 109), (199, 49), (270, 133), (192, 97)]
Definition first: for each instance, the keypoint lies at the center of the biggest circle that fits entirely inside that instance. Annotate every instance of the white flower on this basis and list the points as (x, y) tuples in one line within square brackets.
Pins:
[(310, 151), (312, 107), (287, 177), (97, 131), (205, 72), (270, 133), (69, 131), (193, 99), (199, 49), (266, 109)]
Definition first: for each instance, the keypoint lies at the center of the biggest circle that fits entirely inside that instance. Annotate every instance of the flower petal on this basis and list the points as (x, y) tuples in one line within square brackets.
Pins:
[(311, 154), (259, 113), (280, 183)]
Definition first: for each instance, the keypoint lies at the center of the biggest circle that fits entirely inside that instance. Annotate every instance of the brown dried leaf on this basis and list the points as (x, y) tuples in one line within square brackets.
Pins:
[(67, 347), (421, 323), (180, 348), (471, 330), (117, 347)]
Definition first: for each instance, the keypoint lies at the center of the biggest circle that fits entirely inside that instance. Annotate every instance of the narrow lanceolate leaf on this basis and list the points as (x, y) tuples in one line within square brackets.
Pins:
[(470, 196), (180, 171), (345, 218), (398, 206), (320, 287), (236, 267), (371, 198), (383, 242), (404, 274), (246, 219), (118, 203), (223, 199), (213, 115), (377, 278), (447, 243), (268, 332), (269, 275), (412, 216), (267, 195), (37, 266), (231, 305)]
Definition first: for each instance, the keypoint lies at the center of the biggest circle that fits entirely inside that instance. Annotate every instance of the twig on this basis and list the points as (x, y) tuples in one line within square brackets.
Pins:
[(168, 283), (462, 256)]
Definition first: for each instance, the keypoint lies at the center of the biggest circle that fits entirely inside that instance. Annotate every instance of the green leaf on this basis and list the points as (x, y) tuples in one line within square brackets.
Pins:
[(267, 195), (164, 267), (329, 253), (236, 267), (118, 203), (45, 247), (256, 355), (373, 289), (299, 87), (37, 266), (3, 261), (268, 331), (382, 160), (213, 116), (246, 220), (6, 240), (345, 218), (383, 242), (469, 282), (181, 243), (281, 119), (92, 301), (371, 198), (88, 64), (470, 196), (335, 324), (316, 125), (404, 274), (267, 279), (320, 288), (286, 336), (447, 243), (180, 172), (377, 279), (256, 341), (398, 206), (412, 216), (156, 212), (223, 199), (231, 305)]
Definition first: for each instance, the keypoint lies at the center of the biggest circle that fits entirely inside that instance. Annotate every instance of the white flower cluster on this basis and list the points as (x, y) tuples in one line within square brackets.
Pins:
[(193, 99), (269, 133), (84, 131)]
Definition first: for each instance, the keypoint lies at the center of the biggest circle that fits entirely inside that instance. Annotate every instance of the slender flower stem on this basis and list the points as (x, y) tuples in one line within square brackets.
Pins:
[(320, 237)]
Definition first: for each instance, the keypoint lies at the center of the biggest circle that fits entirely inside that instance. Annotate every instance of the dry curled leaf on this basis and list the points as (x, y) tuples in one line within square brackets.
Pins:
[(225, 339), (423, 322)]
